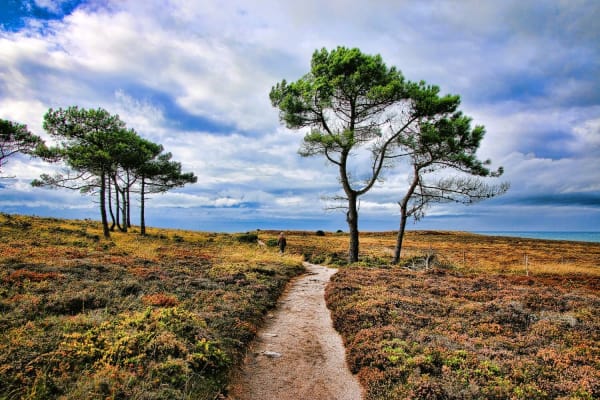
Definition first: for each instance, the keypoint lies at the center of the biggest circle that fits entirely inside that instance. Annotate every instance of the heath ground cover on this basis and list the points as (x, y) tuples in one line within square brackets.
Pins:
[(493, 318), (168, 315), (466, 251), (156, 317)]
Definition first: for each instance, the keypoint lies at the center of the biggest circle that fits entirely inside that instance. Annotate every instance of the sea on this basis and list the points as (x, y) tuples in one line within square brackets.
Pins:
[(548, 235)]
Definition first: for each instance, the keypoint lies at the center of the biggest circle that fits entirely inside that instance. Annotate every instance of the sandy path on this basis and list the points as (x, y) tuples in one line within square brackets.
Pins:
[(298, 354)]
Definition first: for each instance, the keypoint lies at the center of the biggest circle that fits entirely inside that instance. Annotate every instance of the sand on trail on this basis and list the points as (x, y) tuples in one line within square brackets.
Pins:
[(298, 354)]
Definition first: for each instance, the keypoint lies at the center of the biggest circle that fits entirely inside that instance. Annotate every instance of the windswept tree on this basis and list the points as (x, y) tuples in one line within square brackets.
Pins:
[(103, 156), (348, 101), (158, 175), (133, 168), (130, 152), (15, 138), (441, 148), (86, 144)]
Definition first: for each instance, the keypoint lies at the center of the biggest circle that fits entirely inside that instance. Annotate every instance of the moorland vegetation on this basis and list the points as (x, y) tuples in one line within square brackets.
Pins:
[(160, 316), (168, 315), (485, 318)]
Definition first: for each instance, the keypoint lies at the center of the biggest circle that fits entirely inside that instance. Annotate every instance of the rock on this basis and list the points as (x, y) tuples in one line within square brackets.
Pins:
[(272, 354)]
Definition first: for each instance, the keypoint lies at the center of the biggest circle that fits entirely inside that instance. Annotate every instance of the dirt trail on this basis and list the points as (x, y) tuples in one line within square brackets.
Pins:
[(298, 354)]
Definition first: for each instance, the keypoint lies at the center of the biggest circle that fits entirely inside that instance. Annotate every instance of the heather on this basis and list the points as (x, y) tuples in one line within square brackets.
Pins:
[(472, 326), (171, 314), (161, 316)]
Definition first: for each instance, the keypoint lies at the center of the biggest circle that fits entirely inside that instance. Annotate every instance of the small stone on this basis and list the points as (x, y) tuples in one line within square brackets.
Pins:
[(272, 354)]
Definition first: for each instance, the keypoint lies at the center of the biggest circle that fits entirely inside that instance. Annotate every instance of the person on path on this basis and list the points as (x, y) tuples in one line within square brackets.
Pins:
[(281, 242)]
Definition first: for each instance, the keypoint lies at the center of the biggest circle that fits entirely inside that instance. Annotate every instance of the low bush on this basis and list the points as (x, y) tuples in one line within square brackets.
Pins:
[(157, 317), (247, 238), (439, 334)]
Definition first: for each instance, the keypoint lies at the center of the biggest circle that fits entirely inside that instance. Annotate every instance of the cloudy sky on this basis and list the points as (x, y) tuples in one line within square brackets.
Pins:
[(195, 76)]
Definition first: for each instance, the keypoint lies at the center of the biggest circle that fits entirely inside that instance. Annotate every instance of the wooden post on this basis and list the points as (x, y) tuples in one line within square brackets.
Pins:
[(526, 265)]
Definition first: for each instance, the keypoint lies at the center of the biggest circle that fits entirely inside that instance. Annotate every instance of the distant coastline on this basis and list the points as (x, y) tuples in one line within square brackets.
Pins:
[(548, 235)]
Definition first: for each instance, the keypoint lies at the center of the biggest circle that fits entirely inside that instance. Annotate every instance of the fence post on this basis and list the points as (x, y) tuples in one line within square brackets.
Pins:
[(526, 265)]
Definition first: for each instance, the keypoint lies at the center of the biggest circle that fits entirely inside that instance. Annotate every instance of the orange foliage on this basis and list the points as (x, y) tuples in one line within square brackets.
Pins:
[(160, 300), (26, 275), (445, 334), (146, 273)]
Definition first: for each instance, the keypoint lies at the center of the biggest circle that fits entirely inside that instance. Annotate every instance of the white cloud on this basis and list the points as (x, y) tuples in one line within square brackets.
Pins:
[(531, 175), (588, 135), (53, 6), (18, 193), (174, 70), (146, 118)]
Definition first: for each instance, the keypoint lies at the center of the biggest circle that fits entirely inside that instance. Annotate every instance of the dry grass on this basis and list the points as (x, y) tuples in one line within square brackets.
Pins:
[(478, 325), (464, 251), (156, 317), (168, 315)]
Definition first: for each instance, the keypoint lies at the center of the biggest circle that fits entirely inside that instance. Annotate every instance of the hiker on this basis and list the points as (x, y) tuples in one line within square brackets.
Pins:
[(281, 242)]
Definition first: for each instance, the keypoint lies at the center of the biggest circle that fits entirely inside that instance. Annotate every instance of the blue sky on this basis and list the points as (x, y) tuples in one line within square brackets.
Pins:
[(195, 77)]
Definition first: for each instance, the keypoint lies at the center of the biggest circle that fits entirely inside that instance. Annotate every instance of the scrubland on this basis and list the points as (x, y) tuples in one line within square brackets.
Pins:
[(170, 314), (164, 316), (491, 318)]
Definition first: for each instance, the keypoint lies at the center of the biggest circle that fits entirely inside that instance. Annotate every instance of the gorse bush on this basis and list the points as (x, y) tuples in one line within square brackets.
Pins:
[(247, 238)]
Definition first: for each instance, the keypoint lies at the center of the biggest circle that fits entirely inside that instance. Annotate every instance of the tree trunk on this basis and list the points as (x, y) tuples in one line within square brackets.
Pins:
[(400, 237), (404, 213), (352, 219), (124, 211), (120, 205), (142, 217), (110, 209), (103, 205), (128, 200)]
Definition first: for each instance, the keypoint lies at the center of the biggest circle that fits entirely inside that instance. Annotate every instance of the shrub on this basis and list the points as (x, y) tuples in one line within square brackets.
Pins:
[(320, 233), (25, 275), (160, 300), (158, 317), (178, 239), (440, 334), (247, 238)]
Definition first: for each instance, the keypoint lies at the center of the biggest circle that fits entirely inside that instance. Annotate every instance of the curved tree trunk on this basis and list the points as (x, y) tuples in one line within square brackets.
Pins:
[(120, 205), (110, 208), (105, 229), (404, 213), (400, 237), (352, 219)]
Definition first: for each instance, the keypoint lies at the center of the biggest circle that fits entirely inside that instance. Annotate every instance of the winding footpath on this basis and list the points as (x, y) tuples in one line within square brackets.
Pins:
[(298, 354)]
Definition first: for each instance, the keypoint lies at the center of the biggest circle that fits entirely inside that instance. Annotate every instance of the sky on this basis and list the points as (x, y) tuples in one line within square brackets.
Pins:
[(195, 77)]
